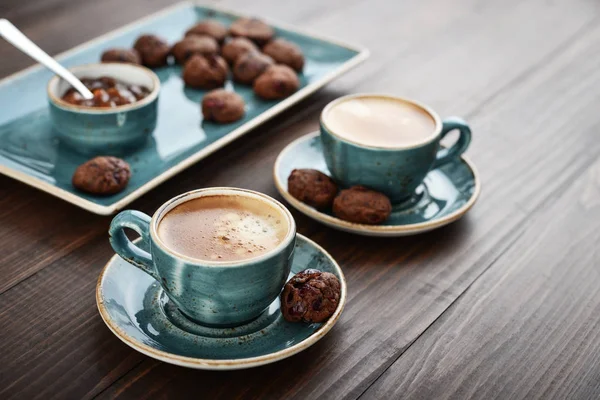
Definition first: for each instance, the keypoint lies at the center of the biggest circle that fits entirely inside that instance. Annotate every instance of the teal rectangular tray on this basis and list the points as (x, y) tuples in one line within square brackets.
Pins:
[(31, 153)]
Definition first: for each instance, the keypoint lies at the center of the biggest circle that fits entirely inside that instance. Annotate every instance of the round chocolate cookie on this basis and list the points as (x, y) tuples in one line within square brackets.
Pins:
[(210, 27), (277, 82), (361, 205), (249, 66), (205, 72), (284, 52), (122, 55), (102, 175), (153, 50), (203, 45), (253, 29), (312, 187), (310, 296), (223, 106), (237, 47)]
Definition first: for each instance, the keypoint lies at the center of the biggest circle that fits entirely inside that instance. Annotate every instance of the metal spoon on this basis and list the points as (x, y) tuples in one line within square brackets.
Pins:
[(21, 42)]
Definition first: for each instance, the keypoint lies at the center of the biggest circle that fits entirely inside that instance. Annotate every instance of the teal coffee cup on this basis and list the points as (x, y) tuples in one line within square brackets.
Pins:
[(209, 291), (387, 143)]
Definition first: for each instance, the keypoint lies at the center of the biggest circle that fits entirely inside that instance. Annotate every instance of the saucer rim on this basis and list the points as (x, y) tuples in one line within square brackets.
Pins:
[(224, 364), (372, 230)]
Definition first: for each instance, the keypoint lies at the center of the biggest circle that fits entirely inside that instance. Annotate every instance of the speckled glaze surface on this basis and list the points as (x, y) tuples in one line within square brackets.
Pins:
[(397, 172), (111, 134), (137, 311), (108, 131), (445, 195), (30, 150), (209, 292)]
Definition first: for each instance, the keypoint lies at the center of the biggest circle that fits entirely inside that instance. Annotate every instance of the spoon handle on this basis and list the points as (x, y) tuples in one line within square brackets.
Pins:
[(21, 42)]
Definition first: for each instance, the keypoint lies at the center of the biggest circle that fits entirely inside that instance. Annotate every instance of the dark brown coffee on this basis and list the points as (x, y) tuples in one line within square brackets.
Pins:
[(223, 228)]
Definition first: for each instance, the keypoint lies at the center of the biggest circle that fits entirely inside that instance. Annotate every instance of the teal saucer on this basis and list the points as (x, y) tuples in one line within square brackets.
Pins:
[(446, 194), (138, 312)]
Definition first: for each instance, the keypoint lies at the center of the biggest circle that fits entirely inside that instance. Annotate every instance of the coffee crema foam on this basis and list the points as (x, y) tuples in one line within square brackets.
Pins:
[(380, 122), (223, 228)]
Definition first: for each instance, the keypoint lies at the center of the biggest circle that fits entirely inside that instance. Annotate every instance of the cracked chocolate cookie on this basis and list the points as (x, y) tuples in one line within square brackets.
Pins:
[(310, 296), (102, 175), (312, 187), (222, 106), (237, 47), (277, 82), (210, 27), (362, 205), (153, 50), (285, 52), (205, 72), (253, 29), (249, 66), (196, 44), (121, 55)]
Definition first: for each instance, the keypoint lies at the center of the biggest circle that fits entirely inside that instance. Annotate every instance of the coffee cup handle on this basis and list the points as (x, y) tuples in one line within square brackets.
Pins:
[(450, 153), (121, 244)]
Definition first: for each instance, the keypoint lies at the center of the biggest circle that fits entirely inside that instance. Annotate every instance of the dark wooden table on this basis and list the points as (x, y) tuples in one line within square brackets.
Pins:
[(503, 304)]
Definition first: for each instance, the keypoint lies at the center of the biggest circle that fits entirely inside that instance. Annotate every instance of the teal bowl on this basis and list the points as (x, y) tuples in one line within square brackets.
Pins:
[(105, 130)]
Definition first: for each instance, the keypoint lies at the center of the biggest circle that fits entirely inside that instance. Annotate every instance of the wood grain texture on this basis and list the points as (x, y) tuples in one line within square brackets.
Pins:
[(530, 327), (530, 93)]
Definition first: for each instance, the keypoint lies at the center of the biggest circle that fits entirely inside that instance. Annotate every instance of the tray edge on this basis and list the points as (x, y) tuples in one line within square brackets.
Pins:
[(362, 55)]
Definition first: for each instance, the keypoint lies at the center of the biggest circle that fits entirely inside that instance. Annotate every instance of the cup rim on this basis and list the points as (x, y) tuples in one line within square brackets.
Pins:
[(58, 102), (436, 118), (193, 194)]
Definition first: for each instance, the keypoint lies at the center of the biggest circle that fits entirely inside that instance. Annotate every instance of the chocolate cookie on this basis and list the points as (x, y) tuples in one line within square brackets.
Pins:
[(122, 55), (153, 50), (205, 72), (237, 47), (312, 187), (361, 205), (253, 29), (310, 296), (277, 82), (102, 175), (284, 52), (203, 45), (249, 66), (210, 27), (220, 105)]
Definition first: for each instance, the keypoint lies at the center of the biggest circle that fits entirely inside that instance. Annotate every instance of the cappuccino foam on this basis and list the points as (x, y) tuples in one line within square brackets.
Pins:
[(223, 228), (380, 122)]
